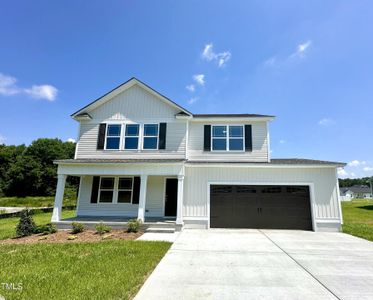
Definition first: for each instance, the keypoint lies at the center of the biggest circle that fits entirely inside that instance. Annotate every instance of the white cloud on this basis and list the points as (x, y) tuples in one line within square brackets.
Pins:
[(270, 61), (46, 91), (221, 58), (353, 174), (367, 169), (342, 172), (199, 78), (355, 163), (193, 100), (8, 87), (191, 87), (2, 139), (326, 122), (71, 140), (302, 49), (282, 141)]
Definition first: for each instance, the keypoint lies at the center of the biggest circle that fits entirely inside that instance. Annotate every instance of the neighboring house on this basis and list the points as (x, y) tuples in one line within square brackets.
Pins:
[(356, 191), (141, 155)]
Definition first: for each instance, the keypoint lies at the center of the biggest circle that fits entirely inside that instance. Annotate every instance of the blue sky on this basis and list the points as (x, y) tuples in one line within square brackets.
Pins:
[(307, 62)]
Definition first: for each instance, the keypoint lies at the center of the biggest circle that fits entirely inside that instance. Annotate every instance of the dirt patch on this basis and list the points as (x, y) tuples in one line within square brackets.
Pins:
[(65, 236)]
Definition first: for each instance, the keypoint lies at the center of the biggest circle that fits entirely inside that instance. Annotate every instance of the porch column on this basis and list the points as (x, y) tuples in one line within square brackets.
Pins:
[(180, 196), (142, 198), (57, 209)]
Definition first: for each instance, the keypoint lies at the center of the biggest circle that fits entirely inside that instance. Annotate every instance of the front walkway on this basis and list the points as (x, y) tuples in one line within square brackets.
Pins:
[(263, 264)]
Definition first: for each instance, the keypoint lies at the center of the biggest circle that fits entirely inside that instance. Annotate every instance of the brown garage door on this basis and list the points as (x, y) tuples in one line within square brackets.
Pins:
[(251, 206)]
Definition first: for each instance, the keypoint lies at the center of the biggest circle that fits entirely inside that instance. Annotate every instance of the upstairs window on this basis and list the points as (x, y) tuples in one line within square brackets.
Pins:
[(131, 138), (113, 137), (150, 136), (227, 138)]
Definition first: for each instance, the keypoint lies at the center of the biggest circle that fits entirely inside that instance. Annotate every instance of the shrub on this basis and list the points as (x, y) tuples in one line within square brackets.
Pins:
[(2, 211), (77, 227), (26, 225), (46, 229), (133, 225), (102, 228)]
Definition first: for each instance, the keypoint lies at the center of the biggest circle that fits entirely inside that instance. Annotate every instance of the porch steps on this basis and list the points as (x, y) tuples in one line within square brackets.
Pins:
[(160, 230)]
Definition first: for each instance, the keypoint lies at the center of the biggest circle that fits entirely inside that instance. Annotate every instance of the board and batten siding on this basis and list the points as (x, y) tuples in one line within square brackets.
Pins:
[(325, 208), (154, 201), (259, 136)]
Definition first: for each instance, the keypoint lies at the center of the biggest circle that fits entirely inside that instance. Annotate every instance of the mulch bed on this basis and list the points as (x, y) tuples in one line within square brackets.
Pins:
[(65, 236)]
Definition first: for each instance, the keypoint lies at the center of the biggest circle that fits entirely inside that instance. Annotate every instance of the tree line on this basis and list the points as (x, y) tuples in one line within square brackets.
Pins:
[(347, 182), (29, 170)]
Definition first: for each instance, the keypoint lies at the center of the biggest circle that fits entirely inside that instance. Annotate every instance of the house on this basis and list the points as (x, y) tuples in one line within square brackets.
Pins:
[(356, 191), (141, 155)]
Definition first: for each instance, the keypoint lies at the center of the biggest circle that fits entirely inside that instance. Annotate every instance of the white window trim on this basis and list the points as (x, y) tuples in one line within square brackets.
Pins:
[(143, 136), (116, 190), (227, 138), (114, 136), (124, 137)]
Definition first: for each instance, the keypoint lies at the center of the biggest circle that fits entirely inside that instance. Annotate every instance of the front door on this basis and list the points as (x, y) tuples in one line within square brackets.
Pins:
[(170, 197)]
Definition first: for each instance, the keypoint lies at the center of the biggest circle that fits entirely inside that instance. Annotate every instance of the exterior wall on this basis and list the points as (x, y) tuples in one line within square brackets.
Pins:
[(325, 208), (154, 201), (260, 143), (134, 105)]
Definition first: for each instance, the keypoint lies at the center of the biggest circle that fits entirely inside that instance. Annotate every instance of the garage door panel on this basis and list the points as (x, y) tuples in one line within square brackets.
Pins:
[(246, 206)]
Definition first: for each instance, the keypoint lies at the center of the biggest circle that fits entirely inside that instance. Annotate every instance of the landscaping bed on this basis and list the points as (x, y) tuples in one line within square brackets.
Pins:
[(65, 236)]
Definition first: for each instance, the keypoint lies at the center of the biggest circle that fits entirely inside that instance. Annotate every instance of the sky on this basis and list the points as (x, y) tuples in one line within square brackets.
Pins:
[(309, 63)]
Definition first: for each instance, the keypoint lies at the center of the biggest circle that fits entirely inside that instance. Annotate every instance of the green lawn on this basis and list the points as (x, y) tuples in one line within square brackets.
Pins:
[(358, 218), (104, 270), (34, 201), (8, 225)]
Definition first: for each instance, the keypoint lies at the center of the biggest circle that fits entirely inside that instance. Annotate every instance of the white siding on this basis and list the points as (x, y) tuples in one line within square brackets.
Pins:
[(154, 201), (196, 139), (326, 206)]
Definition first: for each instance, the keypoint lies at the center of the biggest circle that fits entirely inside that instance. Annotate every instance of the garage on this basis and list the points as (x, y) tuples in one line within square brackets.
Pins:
[(260, 206)]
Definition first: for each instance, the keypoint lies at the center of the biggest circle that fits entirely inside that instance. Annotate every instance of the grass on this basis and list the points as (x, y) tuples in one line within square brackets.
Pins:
[(34, 201), (358, 218), (104, 270), (8, 225)]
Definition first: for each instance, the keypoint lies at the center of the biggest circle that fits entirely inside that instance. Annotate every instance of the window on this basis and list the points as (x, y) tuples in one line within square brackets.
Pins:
[(113, 137), (227, 138), (106, 190), (150, 136), (125, 188), (131, 138)]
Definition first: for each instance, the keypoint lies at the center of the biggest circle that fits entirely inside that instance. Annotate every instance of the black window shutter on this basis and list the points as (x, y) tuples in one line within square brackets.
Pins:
[(101, 136), (95, 185), (162, 136), (136, 190), (248, 138), (207, 138)]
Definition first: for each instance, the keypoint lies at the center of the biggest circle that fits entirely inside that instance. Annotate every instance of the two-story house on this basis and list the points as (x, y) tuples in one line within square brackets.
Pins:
[(141, 155)]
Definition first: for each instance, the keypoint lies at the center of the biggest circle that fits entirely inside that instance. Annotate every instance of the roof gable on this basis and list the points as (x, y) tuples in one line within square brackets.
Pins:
[(120, 89)]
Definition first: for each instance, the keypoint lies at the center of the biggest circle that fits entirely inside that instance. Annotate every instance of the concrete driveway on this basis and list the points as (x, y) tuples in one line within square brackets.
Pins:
[(263, 264)]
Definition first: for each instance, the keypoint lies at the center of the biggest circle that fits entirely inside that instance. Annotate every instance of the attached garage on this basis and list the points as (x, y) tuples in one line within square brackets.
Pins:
[(260, 206)]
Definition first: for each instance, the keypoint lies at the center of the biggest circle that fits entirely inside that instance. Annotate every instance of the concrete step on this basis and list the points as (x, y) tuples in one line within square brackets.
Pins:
[(159, 225), (160, 230)]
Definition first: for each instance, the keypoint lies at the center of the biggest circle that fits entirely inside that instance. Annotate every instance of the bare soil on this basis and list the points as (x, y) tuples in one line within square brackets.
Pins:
[(65, 236)]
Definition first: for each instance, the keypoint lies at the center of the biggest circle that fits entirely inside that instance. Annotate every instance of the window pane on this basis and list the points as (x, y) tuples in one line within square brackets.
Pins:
[(150, 142), (235, 144), (150, 130), (124, 196), (219, 144), (219, 131), (113, 130), (132, 130), (112, 143), (131, 143), (235, 131), (107, 183), (106, 196), (125, 184)]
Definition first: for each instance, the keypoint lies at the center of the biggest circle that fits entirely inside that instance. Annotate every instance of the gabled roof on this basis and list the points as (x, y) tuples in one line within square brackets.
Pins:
[(358, 189), (122, 87)]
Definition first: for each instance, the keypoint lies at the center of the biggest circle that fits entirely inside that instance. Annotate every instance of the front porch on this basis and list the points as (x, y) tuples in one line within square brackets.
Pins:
[(116, 193)]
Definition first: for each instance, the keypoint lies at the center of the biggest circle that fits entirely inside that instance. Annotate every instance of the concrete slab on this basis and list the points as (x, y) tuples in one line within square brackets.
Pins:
[(253, 264), (155, 236)]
